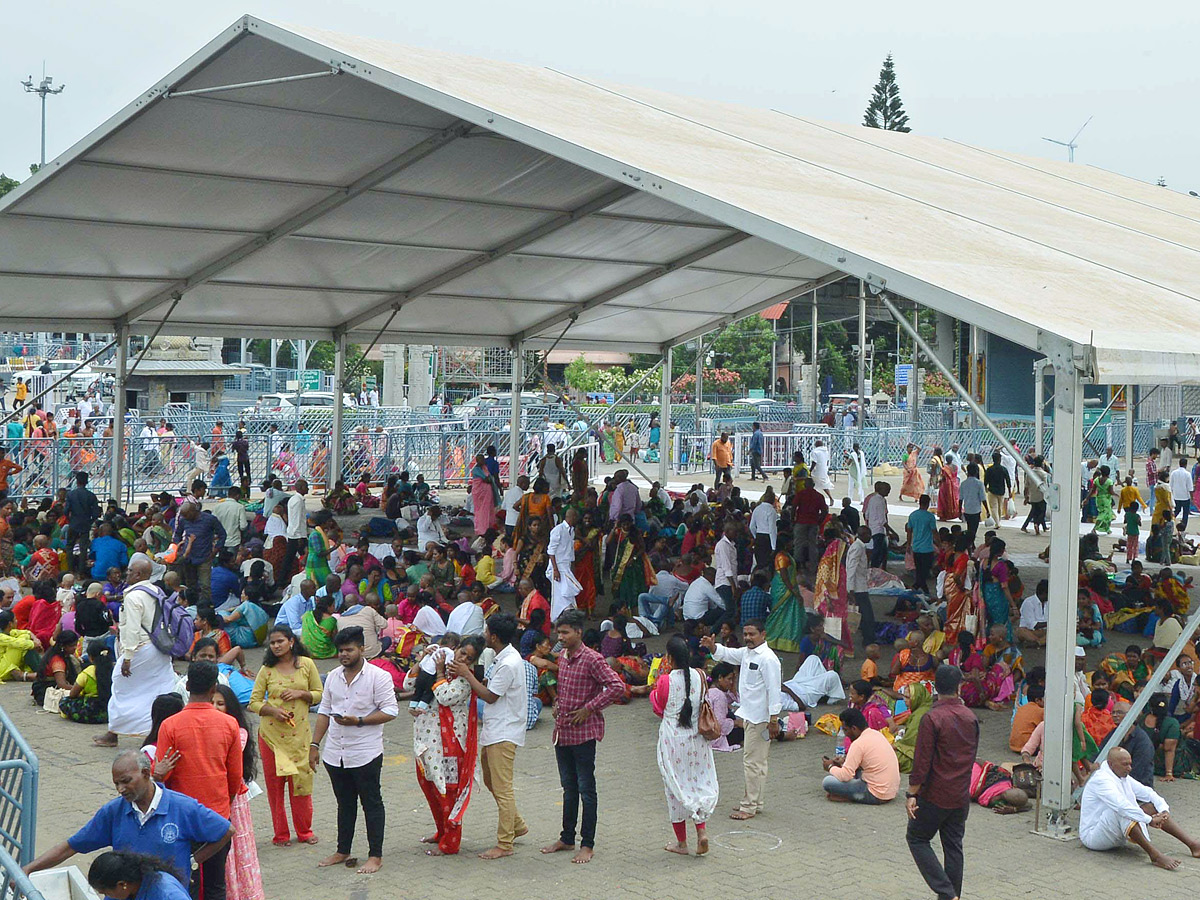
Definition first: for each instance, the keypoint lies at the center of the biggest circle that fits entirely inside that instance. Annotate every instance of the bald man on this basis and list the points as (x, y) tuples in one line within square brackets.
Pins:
[(1115, 808)]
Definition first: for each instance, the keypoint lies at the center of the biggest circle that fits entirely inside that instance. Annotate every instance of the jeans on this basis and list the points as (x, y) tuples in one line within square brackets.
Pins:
[(577, 775), (756, 465), (722, 471), (352, 785), (951, 824), (866, 625), (924, 564), (855, 789), (295, 547), (972, 520), (656, 609), (1183, 509), (212, 876), (879, 551)]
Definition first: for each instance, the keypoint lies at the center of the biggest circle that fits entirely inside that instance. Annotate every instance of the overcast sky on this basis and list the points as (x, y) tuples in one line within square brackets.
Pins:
[(1001, 76)]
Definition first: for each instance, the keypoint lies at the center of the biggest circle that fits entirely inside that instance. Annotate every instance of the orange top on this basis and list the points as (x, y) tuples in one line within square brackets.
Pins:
[(210, 763), (722, 453), (869, 670), (7, 466)]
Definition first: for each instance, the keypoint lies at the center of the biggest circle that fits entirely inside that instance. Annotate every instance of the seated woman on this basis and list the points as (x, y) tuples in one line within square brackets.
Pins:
[(1173, 756), (983, 685), (59, 668), (919, 701), (362, 492), (231, 667), (340, 501), (246, 622), (870, 703), (318, 628), (911, 664), (815, 681), (18, 650), (1089, 626), (545, 662), (721, 695), (1181, 687), (88, 702)]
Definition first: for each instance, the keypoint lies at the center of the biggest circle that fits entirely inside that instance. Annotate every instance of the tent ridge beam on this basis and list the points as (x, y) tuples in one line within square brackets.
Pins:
[(343, 195), (400, 298), (657, 272), (262, 82)]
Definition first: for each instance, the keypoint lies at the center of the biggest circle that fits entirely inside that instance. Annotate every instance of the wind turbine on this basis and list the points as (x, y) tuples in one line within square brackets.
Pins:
[(1070, 145)]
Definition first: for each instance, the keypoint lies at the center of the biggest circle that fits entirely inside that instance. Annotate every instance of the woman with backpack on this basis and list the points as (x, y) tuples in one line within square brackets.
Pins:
[(144, 670)]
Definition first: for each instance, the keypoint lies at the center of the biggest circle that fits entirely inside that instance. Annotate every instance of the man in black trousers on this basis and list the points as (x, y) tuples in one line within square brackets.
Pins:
[(939, 786)]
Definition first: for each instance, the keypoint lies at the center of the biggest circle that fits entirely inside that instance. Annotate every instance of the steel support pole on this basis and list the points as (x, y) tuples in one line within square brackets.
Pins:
[(973, 379), (699, 381), (1064, 567), (1039, 405), (914, 381), (816, 385), (118, 436), (664, 419), (514, 421), (862, 353), (335, 436), (1129, 391)]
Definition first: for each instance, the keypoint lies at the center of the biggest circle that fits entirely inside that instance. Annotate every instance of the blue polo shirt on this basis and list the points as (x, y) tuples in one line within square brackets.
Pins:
[(923, 524), (161, 886), (176, 824)]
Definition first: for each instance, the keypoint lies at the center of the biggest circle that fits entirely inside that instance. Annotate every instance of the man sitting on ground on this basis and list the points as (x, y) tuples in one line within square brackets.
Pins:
[(870, 772), (1115, 807)]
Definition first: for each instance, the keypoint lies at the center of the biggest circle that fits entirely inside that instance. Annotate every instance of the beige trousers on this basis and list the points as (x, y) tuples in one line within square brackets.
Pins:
[(755, 750), (497, 764)]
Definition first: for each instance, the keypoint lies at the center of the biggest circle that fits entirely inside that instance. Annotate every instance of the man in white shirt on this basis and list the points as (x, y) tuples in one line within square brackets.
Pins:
[(1034, 612), (1181, 492), (358, 700), (297, 528), (373, 397), (875, 515), (1110, 459), (759, 689), (503, 729), (702, 602), (564, 586), (233, 518), (820, 469), (857, 567), (1112, 810), (764, 530), (512, 497), (466, 617), (656, 603), (725, 562), (430, 530)]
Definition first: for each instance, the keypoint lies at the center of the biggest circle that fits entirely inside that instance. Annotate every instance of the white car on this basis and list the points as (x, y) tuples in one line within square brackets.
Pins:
[(757, 402), (281, 404)]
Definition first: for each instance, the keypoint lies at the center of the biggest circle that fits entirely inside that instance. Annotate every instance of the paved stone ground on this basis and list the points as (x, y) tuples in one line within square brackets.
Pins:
[(846, 851)]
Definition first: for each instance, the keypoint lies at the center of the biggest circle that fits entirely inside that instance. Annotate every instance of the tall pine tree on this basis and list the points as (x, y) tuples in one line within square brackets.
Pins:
[(886, 109)]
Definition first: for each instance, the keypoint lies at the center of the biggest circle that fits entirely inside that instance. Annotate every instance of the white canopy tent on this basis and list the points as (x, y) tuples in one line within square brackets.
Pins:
[(289, 180)]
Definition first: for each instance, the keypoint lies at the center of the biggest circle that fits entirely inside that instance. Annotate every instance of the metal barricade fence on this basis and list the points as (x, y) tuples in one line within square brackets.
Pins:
[(14, 883), (18, 792)]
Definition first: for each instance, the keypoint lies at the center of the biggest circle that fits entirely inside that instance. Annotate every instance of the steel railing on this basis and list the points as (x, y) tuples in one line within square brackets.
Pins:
[(18, 792)]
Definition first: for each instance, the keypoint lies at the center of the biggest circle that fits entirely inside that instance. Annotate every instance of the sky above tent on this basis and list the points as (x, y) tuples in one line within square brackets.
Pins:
[(999, 80)]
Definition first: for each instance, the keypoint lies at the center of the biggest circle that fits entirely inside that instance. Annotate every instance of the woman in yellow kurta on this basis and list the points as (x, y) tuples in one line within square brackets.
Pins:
[(15, 644), (287, 685), (1128, 495)]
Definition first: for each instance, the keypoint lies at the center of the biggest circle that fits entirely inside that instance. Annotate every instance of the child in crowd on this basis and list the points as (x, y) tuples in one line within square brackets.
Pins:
[(1133, 531), (427, 671), (869, 672), (546, 663)]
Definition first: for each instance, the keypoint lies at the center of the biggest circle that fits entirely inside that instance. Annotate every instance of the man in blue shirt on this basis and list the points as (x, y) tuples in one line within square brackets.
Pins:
[(291, 612), (755, 601), (333, 588), (757, 445), (921, 527), (146, 818), (109, 552), (199, 535)]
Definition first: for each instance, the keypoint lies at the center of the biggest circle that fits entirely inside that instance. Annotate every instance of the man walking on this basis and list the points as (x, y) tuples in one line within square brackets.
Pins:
[(297, 531), (998, 484), (809, 511), (857, 569), (759, 680), (586, 684), (939, 786), (722, 458), (199, 535), (921, 527), (207, 750), (358, 700), (758, 442), (564, 586), (1181, 492), (503, 730)]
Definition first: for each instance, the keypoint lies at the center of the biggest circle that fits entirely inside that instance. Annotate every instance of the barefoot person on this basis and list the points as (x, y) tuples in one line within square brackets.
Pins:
[(1115, 808), (505, 718), (358, 700), (759, 686), (586, 684)]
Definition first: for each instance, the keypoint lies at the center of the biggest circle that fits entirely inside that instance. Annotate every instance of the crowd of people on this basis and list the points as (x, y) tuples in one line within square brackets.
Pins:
[(543, 593)]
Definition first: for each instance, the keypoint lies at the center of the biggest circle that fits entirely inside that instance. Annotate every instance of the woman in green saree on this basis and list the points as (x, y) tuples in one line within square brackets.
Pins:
[(920, 701), (785, 624)]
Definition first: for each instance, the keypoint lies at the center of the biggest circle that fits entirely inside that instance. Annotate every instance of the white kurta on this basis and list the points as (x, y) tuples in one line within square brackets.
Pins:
[(811, 682), (1110, 807), (685, 758), (820, 469), (859, 477), (565, 588)]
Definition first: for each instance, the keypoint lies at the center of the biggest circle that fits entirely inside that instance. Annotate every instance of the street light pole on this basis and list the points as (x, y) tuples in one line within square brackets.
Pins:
[(43, 89)]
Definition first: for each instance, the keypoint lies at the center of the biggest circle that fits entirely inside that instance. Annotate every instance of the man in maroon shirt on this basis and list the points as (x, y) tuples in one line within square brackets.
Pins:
[(586, 684), (808, 512), (939, 787)]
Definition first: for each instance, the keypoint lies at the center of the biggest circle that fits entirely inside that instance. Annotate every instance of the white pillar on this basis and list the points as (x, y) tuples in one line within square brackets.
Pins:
[(245, 342), (335, 435), (664, 418), (391, 391), (914, 381), (862, 352), (274, 354), (118, 438), (812, 361), (420, 375), (1039, 405), (1129, 395), (1064, 565), (699, 382), (514, 422), (944, 340)]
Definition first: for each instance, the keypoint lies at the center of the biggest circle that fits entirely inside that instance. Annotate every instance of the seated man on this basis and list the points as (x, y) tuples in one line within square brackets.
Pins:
[(1115, 807), (1031, 630), (701, 602), (870, 773), (1027, 718), (656, 603)]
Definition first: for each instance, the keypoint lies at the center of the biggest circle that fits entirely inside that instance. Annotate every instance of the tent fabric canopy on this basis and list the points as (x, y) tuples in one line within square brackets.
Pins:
[(417, 196)]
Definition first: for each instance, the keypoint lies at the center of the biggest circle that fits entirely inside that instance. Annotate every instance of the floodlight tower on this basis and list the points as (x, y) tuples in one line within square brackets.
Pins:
[(42, 89)]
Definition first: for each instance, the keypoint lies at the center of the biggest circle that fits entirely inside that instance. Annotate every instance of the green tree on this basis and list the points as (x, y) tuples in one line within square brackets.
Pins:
[(886, 109), (7, 184), (745, 347), (582, 375)]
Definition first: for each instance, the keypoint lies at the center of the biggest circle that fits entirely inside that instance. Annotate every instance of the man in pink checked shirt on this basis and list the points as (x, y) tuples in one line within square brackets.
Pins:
[(586, 685)]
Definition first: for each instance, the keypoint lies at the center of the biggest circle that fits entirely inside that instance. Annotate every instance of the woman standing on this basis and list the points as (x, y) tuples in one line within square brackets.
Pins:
[(243, 877), (316, 566), (632, 573), (785, 623), (830, 597), (936, 463), (685, 758), (1102, 493), (484, 495), (445, 745), (960, 606), (587, 561), (914, 482), (531, 554), (531, 506), (286, 686), (949, 507), (993, 579)]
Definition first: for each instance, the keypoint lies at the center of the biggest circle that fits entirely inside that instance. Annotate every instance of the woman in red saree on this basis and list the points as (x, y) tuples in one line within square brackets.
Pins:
[(830, 596), (961, 603), (914, 482), (948, 505), (587, 557), (445, 745)]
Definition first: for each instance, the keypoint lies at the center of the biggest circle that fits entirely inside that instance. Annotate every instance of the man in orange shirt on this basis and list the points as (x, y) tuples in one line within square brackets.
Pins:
[(7, 467), (722, 457), (209, 766)]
